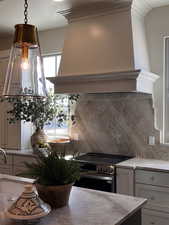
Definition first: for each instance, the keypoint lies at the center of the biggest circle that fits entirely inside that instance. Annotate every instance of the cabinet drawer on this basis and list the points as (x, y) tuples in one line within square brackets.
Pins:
[(6, 170), (9, 160), (19, 160), (153, 178), (150, 217), (158, 197)]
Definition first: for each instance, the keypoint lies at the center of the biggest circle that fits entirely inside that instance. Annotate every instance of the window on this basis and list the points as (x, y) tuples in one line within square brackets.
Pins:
[(51, 69)]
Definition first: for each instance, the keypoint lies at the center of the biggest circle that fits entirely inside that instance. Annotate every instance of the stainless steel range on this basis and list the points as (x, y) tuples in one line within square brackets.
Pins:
[(98, 171)]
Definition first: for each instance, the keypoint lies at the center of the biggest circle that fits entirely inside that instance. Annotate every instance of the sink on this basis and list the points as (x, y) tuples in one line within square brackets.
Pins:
[(10, 189)]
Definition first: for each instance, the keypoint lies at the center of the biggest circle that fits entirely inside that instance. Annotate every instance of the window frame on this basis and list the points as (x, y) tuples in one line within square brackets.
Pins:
[(55, 134), (51, 55), (165, 132)]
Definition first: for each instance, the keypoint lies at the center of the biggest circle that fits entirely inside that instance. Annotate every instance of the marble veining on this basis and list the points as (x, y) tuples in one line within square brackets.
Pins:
[(89, 207), (117, 123)]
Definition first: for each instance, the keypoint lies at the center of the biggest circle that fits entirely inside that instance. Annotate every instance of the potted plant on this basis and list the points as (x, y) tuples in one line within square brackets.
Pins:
[(54, 177), (40, 112)]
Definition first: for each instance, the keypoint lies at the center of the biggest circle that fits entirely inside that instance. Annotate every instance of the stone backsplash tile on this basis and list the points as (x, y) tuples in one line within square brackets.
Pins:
[(117, 123)]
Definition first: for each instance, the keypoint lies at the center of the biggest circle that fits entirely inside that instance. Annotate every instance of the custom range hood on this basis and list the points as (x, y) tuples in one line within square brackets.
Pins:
[(104, 50)]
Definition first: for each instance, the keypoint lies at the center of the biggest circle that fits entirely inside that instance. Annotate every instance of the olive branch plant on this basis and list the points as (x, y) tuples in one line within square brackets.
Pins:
[(41, 111)]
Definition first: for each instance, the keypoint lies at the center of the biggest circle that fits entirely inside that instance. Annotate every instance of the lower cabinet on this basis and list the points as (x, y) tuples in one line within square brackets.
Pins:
[(158, 197), (15, 164), (149, 184), (154, 186), (125, 181), (18, 170), (150, 217), (6, 170)]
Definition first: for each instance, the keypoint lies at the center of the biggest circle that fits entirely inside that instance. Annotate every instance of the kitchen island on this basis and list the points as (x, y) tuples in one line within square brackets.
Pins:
[(89, 207)]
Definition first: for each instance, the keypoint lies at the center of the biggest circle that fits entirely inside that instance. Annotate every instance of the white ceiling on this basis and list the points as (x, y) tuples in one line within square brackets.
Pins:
[(44, 14), (157, 3), (41, 13)]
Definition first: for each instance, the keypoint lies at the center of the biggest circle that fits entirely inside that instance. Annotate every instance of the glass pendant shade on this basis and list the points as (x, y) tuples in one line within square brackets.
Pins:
[(25, 74)]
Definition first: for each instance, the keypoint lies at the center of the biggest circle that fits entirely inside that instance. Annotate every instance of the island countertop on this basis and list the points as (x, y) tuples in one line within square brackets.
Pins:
[(89, 207)]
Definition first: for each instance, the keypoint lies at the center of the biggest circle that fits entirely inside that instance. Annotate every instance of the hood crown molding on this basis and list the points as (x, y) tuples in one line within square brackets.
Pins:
[(95, 9), (122, 81)]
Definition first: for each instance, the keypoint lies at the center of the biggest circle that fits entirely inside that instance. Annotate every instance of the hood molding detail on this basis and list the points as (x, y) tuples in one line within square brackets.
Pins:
[(124, 81)]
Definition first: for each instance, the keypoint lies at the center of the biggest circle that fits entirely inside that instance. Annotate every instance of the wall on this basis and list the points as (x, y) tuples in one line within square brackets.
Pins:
[(157, 28), (51, 41), (5, 43), (140, 42)]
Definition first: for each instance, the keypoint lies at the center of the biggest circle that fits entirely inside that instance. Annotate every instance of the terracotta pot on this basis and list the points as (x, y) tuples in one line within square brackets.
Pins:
[(55, 196), (38, 136)]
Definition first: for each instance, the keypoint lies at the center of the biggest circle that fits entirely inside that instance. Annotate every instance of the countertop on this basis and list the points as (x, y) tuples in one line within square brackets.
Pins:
[(148, 164), (89, 207), (23, 152)]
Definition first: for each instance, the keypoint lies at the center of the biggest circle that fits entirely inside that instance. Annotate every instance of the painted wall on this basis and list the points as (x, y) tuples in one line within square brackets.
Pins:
[(157, 27), (5, 43), (141, 55), (51, 41)]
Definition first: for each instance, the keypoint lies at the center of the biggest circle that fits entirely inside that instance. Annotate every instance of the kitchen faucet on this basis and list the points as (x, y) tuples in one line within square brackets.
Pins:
[(4, 154)]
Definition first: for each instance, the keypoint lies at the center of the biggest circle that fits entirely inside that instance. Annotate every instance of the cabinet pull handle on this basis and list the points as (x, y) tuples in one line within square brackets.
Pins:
[(152, 178), (152, 223)]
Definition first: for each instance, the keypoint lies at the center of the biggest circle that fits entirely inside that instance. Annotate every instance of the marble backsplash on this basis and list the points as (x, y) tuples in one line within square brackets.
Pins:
[(117, 123)]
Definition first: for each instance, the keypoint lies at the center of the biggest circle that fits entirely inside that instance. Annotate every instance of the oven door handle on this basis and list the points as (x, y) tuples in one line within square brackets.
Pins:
[(98, 177)]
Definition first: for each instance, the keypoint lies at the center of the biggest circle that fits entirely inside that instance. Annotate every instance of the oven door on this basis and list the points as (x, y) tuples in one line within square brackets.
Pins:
[(101, 183)]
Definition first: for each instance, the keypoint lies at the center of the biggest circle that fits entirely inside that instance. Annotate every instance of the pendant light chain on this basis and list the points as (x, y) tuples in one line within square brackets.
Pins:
[(26, 12)]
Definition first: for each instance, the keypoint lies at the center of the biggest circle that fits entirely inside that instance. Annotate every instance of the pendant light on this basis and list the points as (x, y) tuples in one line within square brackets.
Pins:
[(25, 73)]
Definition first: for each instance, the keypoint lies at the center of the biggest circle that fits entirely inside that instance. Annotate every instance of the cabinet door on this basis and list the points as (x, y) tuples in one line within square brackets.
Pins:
[(3, 66), (12, 136), (12, 131), (154, 218), (125, 181), (9, 134), (19, 170), (19, 160), (158, 197), (6, 170), (152, 178)]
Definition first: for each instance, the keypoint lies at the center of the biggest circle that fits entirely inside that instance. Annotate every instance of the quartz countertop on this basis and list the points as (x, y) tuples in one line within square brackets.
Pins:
[(149, 164), (89, 207)]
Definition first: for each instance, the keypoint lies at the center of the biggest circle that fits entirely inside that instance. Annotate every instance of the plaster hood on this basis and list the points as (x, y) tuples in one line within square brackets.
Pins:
[(103, 51)]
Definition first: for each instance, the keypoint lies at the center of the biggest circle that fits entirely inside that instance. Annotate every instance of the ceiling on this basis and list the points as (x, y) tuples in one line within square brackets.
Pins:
[(44, 14), (157, 3)]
